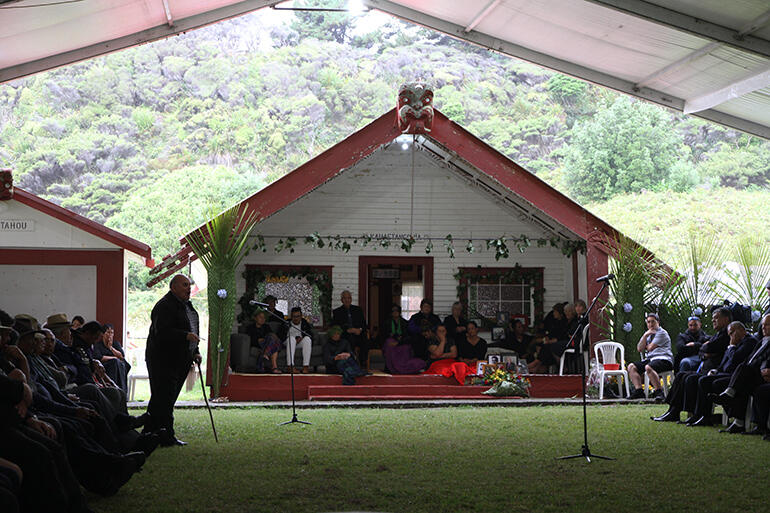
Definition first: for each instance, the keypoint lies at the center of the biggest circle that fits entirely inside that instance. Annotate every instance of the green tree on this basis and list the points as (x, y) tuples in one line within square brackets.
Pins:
[(626, 148), (323, 25)]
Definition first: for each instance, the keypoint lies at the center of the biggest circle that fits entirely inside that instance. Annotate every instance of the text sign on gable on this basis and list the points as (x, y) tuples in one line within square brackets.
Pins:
[(17, 225)]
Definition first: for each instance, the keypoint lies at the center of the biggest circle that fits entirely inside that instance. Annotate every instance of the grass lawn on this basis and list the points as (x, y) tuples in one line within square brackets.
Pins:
[(446, 460)]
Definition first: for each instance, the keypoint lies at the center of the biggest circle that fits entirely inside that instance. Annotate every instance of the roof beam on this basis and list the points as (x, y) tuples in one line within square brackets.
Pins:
[(145, 36), (674, 66), (482, 14), (736, 89), (562, 66), (690, 24)]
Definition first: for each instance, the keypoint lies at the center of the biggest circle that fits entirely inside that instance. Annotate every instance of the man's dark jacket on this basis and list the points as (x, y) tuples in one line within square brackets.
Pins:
[(715, 346), (305, 326), (685, 351), (340, 318), (167, 340)]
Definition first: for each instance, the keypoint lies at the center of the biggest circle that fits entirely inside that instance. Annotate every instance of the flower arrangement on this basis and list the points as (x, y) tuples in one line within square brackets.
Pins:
[(503, 383)]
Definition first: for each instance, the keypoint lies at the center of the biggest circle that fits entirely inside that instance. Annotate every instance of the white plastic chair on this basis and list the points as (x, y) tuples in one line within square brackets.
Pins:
[(665, 378), (609, 351), (572, 351)]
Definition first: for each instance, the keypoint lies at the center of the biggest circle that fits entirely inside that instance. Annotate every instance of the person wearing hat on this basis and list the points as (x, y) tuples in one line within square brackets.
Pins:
[(172, 346), (62, 331), (338, 357), (11, 357)]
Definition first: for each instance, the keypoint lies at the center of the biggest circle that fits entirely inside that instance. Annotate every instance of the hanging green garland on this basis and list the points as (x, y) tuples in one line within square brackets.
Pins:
[(407, 243), (254, 276)]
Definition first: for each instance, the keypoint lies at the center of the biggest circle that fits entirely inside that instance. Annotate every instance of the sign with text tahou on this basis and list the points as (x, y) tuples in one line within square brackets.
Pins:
[(17, 225)]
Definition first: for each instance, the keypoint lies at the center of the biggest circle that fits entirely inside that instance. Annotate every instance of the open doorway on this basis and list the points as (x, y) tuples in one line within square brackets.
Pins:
[(383, 281)]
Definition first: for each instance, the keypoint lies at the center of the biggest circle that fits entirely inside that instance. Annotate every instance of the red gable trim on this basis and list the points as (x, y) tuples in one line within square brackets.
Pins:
[(383, 130), (515, 178), (82, 223), (324, 167)]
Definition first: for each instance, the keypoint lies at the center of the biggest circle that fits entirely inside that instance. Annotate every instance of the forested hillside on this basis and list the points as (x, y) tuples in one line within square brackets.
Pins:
[(151, 139)]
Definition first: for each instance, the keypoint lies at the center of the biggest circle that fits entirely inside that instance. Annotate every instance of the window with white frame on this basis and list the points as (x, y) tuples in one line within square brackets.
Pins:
[(488, 296)]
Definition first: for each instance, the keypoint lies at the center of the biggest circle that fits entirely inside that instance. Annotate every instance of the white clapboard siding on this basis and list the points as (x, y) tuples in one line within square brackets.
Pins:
[(375, 197)]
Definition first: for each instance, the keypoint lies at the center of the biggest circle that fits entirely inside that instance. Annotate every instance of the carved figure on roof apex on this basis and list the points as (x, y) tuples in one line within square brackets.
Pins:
[(415, 108), (6, 184)]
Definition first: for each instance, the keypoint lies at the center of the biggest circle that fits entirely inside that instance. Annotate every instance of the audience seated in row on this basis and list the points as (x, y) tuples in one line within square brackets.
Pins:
[(743, 371), (63, 421)]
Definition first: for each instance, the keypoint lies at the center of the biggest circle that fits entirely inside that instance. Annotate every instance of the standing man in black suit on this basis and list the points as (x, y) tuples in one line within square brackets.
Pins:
[(172, 346), (351, 318)]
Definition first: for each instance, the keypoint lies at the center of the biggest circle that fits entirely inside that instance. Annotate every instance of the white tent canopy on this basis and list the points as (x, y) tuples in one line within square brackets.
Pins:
[(706, 57)]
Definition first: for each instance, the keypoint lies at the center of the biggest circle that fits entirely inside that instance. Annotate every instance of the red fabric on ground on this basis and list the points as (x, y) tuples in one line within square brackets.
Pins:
[(449, 368)]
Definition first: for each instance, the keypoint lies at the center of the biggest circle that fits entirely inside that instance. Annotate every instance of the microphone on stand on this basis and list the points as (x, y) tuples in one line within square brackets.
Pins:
[(605, 278), (254, 302)]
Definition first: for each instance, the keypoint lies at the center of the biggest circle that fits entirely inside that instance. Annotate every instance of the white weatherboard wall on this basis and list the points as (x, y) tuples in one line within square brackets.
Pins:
[(374, 196), (41, 290), (44, 231)]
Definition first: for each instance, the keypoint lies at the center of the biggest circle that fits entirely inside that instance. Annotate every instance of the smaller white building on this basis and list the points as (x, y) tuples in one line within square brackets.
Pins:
[(53, 260)]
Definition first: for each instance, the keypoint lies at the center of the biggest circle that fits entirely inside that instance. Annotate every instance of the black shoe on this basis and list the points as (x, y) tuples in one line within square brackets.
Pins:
[(147, 443), (756, 430), (659, 395), (703, 421), (721, 399), (689, 420), (733, 428), (766, 437), (669, 416), (638, 393), (167, 439)]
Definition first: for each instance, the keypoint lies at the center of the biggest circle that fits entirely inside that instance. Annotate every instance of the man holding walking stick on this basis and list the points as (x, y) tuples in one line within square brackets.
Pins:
[(172, 347)]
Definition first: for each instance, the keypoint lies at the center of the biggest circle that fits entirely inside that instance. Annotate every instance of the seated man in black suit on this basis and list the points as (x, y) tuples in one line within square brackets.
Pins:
[(688, 345), (741, 346), (747, 377), (688, 380), (353, 323), (762, 409)]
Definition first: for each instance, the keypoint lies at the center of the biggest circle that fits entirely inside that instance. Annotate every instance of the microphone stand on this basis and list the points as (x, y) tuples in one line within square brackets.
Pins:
[(294, 419), (585, 452)]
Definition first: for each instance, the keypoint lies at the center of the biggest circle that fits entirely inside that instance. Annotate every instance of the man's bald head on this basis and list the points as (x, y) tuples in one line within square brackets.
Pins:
[(180, 286)]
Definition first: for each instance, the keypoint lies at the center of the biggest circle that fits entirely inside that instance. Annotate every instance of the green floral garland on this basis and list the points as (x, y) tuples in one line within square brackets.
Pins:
[(501, 246), (516, 275), (254, 276)]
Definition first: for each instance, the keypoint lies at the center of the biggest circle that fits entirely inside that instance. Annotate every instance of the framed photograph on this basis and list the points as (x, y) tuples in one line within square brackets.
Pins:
[(498, 334), (510, 358), (487, 367), (494, 359), (503, 318), (480, 367)]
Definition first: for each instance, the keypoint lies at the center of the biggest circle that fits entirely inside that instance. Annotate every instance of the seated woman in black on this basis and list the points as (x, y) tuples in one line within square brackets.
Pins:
[(443, 354), (471, 348), (441, 347), (517, 339), (264, 340), (338, 357), (109, 351), (555, 340), (455, 323), (425, 314)]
